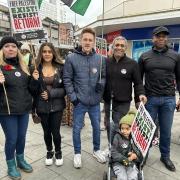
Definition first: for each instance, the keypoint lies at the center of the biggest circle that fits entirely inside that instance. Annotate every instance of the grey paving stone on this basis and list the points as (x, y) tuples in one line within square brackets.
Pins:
[(35, 153)]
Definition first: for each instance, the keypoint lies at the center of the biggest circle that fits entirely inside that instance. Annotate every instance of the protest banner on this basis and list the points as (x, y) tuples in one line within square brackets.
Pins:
[(101, 46), (39, 34), (143, 129), (25, 18)]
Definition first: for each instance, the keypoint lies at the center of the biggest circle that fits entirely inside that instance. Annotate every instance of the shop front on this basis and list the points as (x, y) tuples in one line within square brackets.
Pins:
[(140, 39)]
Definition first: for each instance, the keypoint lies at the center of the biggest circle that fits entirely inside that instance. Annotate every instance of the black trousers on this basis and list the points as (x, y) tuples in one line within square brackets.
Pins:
[(51, 126), (118, 111)]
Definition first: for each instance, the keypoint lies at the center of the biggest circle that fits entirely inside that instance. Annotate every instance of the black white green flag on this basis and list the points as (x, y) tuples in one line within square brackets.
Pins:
[(78, 6)]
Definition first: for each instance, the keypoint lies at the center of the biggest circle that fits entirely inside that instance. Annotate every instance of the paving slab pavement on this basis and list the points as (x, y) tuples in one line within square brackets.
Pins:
[(91, 170)]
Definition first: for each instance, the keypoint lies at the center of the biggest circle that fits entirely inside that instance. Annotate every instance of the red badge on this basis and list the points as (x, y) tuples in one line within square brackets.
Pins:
[(8, 67)]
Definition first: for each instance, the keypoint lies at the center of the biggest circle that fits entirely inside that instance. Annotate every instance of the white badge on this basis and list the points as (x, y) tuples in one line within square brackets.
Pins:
[(123, 71), (18, 74), (124, 145), (60, 80), (94, 70)]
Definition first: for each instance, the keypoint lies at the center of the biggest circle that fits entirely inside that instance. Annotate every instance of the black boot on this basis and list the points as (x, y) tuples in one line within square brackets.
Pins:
[(168, 163)]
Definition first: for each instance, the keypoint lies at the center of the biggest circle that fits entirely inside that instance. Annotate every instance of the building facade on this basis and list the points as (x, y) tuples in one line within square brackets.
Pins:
[(5, 27), (53, 9), (135, 19), (50, 15)]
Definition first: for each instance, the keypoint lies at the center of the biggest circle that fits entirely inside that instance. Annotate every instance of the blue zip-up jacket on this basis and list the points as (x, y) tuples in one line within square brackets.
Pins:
[(81, 74)]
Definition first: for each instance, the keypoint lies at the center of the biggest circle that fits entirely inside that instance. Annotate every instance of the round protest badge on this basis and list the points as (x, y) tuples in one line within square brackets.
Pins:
[(94, 70), (60, 80), (17, 74), (23, 36), (123, 71)]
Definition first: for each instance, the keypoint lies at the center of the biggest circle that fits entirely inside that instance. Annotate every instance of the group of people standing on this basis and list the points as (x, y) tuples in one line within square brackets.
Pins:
[(86, 78), (159, 69), (22, 88)]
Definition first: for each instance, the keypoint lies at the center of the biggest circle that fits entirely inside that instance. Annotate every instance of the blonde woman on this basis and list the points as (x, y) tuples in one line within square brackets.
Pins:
[(14, 120)]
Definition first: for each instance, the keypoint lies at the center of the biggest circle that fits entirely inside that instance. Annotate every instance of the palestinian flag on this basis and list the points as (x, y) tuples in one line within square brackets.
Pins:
[(39, 3), (78, 6)]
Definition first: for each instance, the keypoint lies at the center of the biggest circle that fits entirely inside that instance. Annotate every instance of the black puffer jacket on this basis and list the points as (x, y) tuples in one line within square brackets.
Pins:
[(17, 87), (56, 101)]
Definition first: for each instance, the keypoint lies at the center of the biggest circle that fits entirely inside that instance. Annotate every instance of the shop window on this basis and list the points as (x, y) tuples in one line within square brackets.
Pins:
[(140, 47)]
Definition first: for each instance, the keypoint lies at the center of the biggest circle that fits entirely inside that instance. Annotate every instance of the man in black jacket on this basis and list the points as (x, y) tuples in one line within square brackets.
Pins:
[(161, 68), (122, 73)]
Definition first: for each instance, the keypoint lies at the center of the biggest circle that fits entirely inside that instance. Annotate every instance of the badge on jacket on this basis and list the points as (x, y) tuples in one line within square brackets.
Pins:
[(17, 74), (94, 70), (124, 145), (123, 71)]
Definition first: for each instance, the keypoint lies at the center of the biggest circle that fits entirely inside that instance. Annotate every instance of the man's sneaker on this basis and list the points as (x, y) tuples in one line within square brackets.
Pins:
[(58, 159), (49, 158), (105, 152), (77, 161), (99, 156)]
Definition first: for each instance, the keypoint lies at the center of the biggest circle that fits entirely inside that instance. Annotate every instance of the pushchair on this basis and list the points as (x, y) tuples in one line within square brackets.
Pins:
[(109, 174)]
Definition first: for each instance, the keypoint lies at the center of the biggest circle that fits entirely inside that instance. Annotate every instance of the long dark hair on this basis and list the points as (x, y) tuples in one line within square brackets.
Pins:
[(56, 59)]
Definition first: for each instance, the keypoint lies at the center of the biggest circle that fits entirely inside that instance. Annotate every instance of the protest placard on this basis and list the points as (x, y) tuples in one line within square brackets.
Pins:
[(25, 18), (143, 129), (39, 34), (101, 46)]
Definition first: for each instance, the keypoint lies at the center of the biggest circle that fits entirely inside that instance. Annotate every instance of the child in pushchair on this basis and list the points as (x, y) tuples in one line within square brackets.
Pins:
[(125, 158)]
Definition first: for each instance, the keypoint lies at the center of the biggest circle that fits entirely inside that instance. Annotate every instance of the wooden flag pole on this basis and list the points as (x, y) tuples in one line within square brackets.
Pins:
[(5, 93)]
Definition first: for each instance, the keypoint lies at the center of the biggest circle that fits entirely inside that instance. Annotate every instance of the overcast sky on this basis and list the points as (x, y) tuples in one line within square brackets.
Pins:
[(94, 9)]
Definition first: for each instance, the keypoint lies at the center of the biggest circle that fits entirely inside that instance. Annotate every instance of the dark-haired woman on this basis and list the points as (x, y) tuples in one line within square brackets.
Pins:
[(49, 99)]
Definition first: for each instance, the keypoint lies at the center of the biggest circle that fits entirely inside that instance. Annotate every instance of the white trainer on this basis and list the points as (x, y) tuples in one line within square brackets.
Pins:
[(58, 159), (59, 162), (105, 152), (49, 158), (77, 161), (99, 156)]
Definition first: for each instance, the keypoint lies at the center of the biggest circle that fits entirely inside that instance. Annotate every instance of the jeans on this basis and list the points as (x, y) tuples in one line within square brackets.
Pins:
[(15, 128), (78, 119), (51, 127), (126, 173), (163, 107), (118, 111)]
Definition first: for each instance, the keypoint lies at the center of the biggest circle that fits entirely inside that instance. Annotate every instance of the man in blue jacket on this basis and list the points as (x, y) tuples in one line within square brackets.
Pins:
[(84, 80)]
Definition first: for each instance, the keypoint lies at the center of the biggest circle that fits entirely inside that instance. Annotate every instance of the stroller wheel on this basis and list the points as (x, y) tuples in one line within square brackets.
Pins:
[(105, 175)]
